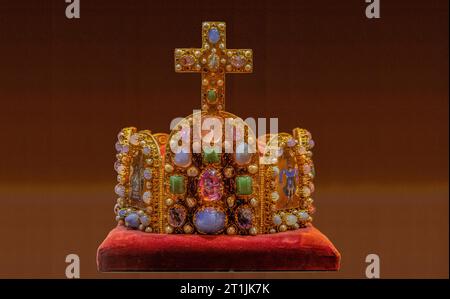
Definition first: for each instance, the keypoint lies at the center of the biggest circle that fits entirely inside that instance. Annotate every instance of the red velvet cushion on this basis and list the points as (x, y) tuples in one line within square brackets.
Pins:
[(130, 250)]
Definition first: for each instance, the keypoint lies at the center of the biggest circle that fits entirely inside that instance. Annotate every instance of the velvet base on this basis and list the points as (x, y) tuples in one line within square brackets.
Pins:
[(302, 249)]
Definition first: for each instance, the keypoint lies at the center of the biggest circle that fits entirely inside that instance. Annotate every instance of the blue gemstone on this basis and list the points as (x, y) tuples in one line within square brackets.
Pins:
[(145, 220), (243, 155), (209, 221), (213, 35), (182, 159), (122, 213), (132, 220)]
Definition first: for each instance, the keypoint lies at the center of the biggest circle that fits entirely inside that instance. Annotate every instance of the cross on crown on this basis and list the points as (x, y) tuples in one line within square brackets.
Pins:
[(213, 60)]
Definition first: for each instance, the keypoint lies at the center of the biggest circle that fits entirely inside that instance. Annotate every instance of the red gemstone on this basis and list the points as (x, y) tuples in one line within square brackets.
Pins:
[(187, 60), (210, 185), (237, 61)]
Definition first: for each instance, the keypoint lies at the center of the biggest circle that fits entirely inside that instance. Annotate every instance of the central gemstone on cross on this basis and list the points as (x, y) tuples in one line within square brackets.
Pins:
[(210, 185)]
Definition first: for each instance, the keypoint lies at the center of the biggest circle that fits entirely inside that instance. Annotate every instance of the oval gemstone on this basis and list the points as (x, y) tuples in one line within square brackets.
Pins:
[(244, 217), (177, 216), (182, 159), (237, 61), (147, 173), (242, 155), (147, 197), (213, 35), (212, 95), (213, 61), (132, 220), (122, 213), (120, 190), (209, 220), (210, 185), (277, 220), (303, 216), (187, 60), (145, 220), (291, 220)]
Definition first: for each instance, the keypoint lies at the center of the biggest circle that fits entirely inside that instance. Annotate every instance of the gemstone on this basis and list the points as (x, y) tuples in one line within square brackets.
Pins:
[(213, 35), (122, 213), (229, 172), (177, 184), (306, 191), (118, 146), (212, 95), (253, 169), (147, 196), (244, 185), (134, 139), (311, 143), (242, 155), (291, 220), (237, 61), (306, 169), (209, 220), (188, 229), (187, 60), (146, 151), (182, 159), (192, 171), (177, 216), (311, 187), (168, 168), (210, 185), (275, 196), (230, 201), (147, 173), (125, 149), (191, 202), (213, 61), (303, 216), (277, 220), (120, 190), (291, 142), (244, 217), (145, 220), (210, 155), (121, 169), (132, 220)]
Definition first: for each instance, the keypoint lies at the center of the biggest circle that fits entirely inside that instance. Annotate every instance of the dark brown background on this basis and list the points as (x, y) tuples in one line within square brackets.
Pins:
[(374, 93)]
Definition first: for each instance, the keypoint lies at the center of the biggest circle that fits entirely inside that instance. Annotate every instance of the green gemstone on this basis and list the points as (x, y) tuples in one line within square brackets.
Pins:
[(212, 95), (210, 155), (244, 185), (177, 184)]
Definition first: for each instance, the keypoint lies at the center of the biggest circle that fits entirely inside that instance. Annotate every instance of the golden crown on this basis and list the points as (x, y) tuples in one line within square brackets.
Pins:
[(190, 181)]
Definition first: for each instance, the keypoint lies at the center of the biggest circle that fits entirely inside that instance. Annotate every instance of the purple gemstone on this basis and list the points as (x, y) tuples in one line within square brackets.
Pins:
[(210, 185), (244, 217), (177, 216), (291, 142), (118, 146)]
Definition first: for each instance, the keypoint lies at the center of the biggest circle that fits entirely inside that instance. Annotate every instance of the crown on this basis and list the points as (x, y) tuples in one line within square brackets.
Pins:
[(188, 182)]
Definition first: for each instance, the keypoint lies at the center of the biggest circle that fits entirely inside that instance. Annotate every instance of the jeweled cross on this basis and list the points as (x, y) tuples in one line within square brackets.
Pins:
[(213, 60)]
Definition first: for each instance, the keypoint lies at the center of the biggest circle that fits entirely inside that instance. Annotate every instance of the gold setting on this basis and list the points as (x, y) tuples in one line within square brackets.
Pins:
[(266, 206)]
